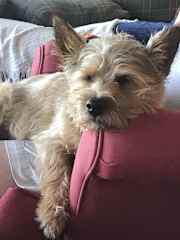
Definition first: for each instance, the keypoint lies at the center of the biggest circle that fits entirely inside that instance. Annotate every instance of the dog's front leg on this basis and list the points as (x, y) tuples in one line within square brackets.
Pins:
[(53, 207), (6, 90)]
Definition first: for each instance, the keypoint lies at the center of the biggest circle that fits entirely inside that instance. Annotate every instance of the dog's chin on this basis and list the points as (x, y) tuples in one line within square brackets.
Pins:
[(105, 122), (97, 123), (91, 125), (101, 123)]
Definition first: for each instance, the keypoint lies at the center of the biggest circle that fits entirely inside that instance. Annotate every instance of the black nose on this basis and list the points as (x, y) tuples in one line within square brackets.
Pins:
[(96, 106)]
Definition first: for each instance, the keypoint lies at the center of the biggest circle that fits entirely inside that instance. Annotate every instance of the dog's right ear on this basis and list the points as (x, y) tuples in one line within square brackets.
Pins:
[(68, 41)]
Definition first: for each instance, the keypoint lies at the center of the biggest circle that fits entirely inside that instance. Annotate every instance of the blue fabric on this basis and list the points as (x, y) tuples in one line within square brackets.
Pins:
[(141, 30)]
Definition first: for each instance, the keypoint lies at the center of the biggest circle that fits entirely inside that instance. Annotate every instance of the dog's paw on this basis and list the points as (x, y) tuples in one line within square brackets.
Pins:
[(53, 230), (53, 225)]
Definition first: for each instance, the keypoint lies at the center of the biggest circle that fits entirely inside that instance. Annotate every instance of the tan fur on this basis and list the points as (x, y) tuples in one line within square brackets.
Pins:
[(52, 110)]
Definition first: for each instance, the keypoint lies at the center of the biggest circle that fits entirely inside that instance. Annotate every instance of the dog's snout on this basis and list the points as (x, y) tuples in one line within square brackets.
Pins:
[(96, 106)]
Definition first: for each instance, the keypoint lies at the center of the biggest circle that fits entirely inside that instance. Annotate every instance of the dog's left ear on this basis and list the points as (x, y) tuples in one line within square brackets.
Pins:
[(68, 41), (162, 48)]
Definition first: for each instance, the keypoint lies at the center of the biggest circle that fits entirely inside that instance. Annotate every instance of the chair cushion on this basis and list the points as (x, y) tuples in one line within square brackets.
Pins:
[(45, 61), (17, 216), (126, 183)]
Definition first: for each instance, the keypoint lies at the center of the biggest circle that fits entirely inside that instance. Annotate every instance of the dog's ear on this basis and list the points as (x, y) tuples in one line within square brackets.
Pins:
[(162, 48), (68, 41)]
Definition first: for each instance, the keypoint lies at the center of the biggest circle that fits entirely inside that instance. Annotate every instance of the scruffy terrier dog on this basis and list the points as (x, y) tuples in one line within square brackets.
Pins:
[(105, 82)]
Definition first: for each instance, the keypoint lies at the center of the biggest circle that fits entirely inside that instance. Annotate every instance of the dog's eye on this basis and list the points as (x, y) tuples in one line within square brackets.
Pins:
[(122, 80), (89, 78)]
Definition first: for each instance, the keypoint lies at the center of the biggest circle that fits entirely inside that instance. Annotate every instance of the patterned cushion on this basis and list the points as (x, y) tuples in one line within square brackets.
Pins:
[(77, 12), (151, 9)]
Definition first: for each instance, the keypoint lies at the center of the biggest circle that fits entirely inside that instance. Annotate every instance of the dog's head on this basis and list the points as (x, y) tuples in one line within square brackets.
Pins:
[(115, 78)]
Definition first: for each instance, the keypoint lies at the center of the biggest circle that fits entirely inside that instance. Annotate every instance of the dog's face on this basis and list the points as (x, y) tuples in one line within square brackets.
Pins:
[(114, 79)]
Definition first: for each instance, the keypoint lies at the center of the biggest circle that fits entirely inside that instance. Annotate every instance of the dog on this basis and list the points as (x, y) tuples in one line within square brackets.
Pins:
[(104, 83)]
